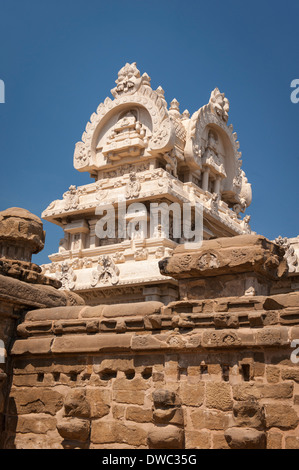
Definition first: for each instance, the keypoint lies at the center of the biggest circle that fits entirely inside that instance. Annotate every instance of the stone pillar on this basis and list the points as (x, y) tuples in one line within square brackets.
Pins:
[(217, 185), (205, 179), (92, 234)]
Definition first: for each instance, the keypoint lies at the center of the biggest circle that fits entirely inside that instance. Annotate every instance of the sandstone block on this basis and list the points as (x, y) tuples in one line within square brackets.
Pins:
[(77, 344), (218, 395), (32, 346), (138, 414), (274, 440), (245, 438), (76, 404), (134, 384), (132, 309), (192, 394), (249, 414), (272, 336), (127, 396), (168, 437), (99, 401), (219, 442), (246, 391), (162, 397), (292, 442), (35, 400), (114, 432), (74, 429), (208, 419), (198, 440), (281, 416), (290, 374), (169, 416), (58, 313), (273, 374), (35, 423), (281, 390)]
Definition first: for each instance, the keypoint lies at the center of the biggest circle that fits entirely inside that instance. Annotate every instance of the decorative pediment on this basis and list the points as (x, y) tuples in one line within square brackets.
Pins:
[(136, 123), (210, 142)]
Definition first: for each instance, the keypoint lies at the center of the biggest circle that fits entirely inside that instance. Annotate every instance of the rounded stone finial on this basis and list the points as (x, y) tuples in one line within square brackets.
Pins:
[(21, 234)]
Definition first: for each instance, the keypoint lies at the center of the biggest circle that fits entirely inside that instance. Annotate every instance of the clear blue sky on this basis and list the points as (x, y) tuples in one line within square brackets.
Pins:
[(59, 60)]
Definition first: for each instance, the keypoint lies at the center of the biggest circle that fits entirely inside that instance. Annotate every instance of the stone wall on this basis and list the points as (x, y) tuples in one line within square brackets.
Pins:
[(198, 374), (212, 370)]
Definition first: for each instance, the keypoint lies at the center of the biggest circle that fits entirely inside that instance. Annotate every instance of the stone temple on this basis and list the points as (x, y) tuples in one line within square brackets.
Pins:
[(139, 150), (134, 336)]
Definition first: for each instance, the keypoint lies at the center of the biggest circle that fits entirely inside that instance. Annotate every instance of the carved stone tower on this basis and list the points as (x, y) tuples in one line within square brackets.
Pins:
[(139, 150)]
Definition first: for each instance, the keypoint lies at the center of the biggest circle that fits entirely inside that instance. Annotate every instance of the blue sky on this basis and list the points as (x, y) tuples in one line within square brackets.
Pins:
[(59, 60)]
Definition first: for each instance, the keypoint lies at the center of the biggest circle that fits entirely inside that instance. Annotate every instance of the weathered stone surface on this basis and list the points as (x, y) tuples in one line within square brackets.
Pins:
[(90, 343), (30, 295), (290, 374), (246, 391), (20, 228), (244, 253), (58, 313), (99, 401), (273, 374), (74, 429), (292, 442), (35, 400), (208, 419), (138, 414), (218, 395), (133, 385), (35, 423), (169, 416), (192, 394), (255, 390), (32, 346), (245, 438), (163, 397), (248, 414), (133, 309), (219, 442), (76, 404), (168, 437), (281, 416), (272, 336), (127, 396), (274, 440), (103, 432), (198, 440)]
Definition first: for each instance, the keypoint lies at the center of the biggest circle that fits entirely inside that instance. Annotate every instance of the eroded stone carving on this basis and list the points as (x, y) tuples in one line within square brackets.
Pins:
[(106, 273), (66, 276), (133, 186), (71, 199), (219, 103), (290, 254)]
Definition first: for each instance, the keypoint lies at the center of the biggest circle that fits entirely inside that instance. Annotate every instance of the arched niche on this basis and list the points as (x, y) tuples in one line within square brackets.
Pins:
[(113, 130), (153, 112), (225, 152)]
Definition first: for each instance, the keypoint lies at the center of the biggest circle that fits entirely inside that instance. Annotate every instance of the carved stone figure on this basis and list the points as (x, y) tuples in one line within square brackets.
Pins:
[(66, 276), (220, 104), (128, 136), (133, 186), (106, 273), (71, 199), (290, 254)]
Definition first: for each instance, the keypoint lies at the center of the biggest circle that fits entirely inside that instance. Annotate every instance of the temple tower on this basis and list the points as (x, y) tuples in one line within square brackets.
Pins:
[(144, 155)]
